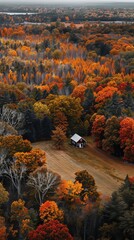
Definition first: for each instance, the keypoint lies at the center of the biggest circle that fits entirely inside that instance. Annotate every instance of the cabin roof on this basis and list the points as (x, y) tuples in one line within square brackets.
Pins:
[(76, 138)]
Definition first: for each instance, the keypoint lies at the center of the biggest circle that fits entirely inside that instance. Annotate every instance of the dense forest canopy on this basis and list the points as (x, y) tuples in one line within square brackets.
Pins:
[(58, 77), (57, 69)]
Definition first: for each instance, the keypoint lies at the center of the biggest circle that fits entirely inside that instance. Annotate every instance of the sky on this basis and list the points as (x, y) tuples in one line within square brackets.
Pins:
[(64, 1)]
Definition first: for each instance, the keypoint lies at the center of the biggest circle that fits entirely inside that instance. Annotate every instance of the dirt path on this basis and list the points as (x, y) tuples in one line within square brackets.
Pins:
[(108, 171)]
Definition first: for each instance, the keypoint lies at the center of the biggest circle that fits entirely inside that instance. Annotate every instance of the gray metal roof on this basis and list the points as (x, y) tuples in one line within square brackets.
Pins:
[(76, 138)]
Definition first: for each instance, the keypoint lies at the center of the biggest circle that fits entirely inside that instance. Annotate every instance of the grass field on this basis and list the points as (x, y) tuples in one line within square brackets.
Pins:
[(109, 172)]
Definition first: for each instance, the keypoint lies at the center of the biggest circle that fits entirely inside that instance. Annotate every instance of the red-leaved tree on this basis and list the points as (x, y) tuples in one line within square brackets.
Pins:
[(52, 230), (127, 138)]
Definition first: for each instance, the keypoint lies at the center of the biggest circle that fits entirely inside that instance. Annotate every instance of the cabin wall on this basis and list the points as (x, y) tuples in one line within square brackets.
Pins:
[(79, 144), (73, 143)]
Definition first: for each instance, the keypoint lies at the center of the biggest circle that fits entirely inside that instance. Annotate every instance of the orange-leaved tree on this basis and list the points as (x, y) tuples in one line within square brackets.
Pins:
[(106, 93), (60, 120), (32, 160), (79, 92), (69, 191), (3, 232), (49, 211), (98, 129), (11, 144), (58, 137)]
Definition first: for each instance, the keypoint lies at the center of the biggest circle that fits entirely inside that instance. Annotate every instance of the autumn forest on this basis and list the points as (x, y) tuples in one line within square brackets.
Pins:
[(59, 77)]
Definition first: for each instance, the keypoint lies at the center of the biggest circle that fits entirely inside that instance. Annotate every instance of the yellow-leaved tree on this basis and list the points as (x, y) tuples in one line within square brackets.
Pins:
[(41, 110)]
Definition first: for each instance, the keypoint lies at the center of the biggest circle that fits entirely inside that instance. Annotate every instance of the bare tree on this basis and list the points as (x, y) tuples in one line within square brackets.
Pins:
[(13, 117), (42, 181), (16, 174), (6, 129), (3, 156)]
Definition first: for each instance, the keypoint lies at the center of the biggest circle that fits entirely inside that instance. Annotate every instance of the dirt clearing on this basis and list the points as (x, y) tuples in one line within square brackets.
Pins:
[(109, 172)]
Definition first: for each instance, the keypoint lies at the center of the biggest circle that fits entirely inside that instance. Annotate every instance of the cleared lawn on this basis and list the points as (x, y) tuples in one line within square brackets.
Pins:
[(109, 172)]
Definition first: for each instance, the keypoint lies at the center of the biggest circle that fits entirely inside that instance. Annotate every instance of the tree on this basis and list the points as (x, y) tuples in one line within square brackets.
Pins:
[(57, 54), (43, 181), (3, 232), (79, 92), (99, 46), (30, 119), (106, 93), (129, 103), (127, 138), (11, 144), (52, 230), (50, 211), (88, 101), (46, 128), (98, 129), (16, 174), (32, 160), (107, 231), (3, 195), (69, 191), (21, 219), (6, 129), (13, 117), (36, 94), (119, 212), (127, 223), (113, 106), (129, 151), (68, 105), (88, 185), (111, 141), (41, 110), (126, 130), (58, 137), (60, 120)]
